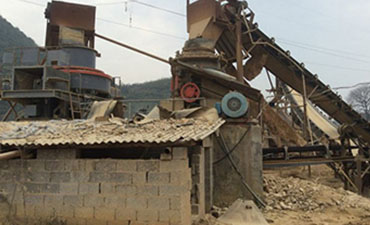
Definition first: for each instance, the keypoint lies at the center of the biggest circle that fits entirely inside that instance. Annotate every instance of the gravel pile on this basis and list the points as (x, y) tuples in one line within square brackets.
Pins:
[(296, 194)]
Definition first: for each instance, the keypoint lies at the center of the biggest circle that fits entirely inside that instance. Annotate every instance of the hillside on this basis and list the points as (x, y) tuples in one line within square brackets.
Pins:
[(11, 36), (158, 89)]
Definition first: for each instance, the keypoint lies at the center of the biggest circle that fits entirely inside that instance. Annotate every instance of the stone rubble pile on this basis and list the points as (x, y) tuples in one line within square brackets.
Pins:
[(296, 194)]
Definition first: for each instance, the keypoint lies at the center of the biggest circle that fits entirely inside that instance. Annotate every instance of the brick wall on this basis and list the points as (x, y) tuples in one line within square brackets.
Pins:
[(98, 191)]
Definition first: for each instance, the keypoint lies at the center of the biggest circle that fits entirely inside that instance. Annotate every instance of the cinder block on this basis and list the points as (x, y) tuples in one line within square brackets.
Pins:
[(33, 176), (148, 165), (88, 188), (90, 165), (74, 165), (6, 176), (174, 165), (119, 222), (96, 222), (180, 153), (73, 200), (125, 190), (99, 177), (4, 164), (180, 177), (64, 211), (175, 203), (68, 188), (49, 188), (75, 221), (172, 216), (31, 187), (166, 190), (125, 214), (136, 203), (34, 200), (147, 190), (126, 166), (114, 201), (102, 213), (44, 212), (60, 177), (158, 178), (147, 215), (84, 212), (105, 165), (7, 188), (123, 178), (139, 178), (53, 200), (57, 153), (54, 165), (80, 176), (35, 165), (107, 188), (24, 211), (159, 203), (93, 201)]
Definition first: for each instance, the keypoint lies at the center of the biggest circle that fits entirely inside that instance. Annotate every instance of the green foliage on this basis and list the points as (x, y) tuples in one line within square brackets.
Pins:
[(158, 89), (152, 90), (11, 36)]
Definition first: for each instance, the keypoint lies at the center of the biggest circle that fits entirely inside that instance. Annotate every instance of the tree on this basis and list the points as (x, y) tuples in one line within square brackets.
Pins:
[(359, 98)]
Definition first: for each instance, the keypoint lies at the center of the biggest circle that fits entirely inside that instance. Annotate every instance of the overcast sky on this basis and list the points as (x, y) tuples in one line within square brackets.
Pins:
[(331, 37)]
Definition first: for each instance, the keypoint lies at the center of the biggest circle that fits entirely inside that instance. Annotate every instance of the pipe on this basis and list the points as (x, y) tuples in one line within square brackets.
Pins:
[(132, 48), (10, 155)]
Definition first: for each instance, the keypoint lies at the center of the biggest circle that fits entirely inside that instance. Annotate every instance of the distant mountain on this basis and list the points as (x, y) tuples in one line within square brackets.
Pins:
[(158, 89), (10, 37)]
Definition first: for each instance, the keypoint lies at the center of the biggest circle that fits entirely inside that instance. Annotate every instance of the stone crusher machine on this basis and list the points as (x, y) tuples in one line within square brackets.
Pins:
[(59, 80), (225, 50)]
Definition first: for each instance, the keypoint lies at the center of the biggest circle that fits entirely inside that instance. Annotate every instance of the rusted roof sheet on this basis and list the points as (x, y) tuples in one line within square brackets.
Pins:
[(114, 131)]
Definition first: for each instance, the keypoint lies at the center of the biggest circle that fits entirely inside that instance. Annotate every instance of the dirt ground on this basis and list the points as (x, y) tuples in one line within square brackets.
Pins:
[(295, 198)]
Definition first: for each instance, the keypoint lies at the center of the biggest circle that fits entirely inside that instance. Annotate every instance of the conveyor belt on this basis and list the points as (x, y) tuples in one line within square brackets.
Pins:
[(288, 70)]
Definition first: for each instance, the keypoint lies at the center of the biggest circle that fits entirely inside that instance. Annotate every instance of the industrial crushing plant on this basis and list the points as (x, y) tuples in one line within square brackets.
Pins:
[(220, 129)]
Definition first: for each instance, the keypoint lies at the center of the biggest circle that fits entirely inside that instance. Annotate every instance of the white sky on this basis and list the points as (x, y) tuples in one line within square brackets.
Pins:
[(340, 25)]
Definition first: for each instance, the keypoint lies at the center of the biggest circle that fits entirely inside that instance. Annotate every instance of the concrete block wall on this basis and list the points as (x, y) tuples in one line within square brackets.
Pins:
[(103, 192)]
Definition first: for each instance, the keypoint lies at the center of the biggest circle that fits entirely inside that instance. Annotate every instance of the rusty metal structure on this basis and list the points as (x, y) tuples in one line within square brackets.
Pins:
[(226, 49), (59, 80)]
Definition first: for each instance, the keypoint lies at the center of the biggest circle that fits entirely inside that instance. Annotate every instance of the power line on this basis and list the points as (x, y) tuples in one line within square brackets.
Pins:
[(353, 86), (142, 29), (145, 4), (123, 24), (338, 67), (33, 3), (326, 52), (324, 48)]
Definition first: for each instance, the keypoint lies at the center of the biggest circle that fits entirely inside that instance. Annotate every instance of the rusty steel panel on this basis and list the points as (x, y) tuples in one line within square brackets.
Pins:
[(71, 15), (202, 10)]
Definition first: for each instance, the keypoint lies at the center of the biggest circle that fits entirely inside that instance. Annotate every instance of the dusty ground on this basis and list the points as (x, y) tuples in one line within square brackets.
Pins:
[(294, 198)]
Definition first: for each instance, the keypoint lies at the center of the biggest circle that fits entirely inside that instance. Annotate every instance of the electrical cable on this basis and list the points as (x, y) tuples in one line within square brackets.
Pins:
[(325, 52), (144, 4), (33, 3), (224, 148), (233, 149), (142, 29)]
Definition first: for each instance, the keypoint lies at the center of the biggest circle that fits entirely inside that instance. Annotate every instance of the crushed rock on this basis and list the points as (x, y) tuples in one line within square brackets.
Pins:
[(297, 194)]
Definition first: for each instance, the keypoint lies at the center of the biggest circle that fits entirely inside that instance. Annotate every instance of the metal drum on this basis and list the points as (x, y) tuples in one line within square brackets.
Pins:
[(88, 80), (81, 56)]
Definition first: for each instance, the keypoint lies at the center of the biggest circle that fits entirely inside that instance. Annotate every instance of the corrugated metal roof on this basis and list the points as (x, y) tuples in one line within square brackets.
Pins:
[(114, 131)]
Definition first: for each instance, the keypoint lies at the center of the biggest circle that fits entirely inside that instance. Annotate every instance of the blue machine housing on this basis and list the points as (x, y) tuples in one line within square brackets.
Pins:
[(234, 105)]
